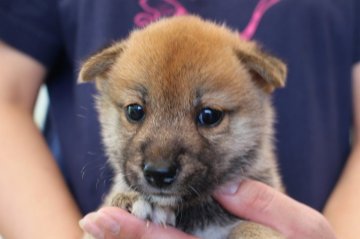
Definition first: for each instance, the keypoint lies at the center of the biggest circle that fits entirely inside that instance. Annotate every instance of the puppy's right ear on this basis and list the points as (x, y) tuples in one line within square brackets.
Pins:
[(268, 71), (98, 65)]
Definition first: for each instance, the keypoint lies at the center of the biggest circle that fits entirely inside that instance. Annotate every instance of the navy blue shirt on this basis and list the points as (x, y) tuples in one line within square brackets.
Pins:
[(319, 40)]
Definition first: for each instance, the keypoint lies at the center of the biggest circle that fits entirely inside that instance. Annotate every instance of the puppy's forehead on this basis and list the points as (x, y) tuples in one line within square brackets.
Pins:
[(178, 60)]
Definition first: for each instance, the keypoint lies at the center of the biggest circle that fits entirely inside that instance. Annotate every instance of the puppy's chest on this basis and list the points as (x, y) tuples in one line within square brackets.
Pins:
[(206, 220)]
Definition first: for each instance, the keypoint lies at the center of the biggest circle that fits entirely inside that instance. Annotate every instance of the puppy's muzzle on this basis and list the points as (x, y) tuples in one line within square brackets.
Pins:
[(161, 174)]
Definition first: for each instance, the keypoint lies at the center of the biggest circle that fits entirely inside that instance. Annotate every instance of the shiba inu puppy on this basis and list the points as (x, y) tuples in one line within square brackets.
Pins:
[(185, 107)]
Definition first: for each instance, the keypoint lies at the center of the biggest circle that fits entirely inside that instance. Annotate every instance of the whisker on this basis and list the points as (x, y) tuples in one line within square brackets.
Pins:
[(194, 190)]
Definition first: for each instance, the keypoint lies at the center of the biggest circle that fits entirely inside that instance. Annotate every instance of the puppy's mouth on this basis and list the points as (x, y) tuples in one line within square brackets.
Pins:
[(168, 196), (165, 200), (179, 193), (160, 192), (163, 197)]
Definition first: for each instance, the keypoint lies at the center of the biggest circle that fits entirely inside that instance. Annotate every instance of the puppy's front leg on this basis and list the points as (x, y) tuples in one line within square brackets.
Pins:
[(252, 230), (143, 209)]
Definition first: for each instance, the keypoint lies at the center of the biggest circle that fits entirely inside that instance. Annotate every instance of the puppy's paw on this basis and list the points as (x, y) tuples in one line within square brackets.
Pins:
[(251, 230), (125, 200), (141, 208)]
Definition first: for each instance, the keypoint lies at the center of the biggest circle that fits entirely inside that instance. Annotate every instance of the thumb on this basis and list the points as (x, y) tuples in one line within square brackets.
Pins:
[(260, 203)]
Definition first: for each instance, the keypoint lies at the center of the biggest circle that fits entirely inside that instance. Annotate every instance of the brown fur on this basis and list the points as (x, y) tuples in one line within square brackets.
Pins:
[(174, 68)]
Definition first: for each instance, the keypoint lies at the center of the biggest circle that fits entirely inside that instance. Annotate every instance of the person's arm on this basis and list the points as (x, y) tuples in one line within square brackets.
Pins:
[(343, 207), (34, 202)]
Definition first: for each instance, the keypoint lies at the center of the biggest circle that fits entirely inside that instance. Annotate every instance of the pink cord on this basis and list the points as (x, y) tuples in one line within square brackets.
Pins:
[(179, 9), (256, 17), (151, 14)]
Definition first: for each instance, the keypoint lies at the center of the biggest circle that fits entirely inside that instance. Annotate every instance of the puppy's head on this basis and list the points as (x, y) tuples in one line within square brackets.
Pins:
[(184, 106)]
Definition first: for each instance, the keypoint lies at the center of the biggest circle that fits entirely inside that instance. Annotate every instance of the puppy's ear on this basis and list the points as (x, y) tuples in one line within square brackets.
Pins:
[(267, 71), (98, 65)]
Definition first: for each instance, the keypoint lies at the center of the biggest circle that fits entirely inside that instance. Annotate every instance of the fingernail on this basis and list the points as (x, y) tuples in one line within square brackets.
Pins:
[(82, 223), (229, 188), (89, 226), (109, 223)]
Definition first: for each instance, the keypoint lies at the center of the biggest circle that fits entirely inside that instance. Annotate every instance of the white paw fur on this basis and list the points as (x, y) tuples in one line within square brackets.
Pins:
[(158, 215)]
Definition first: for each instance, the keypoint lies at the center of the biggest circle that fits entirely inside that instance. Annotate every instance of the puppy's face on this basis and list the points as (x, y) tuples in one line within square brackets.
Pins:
[(183, 106)]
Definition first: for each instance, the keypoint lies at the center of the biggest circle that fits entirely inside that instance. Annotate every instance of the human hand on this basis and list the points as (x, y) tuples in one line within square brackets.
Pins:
[(249, 199), (116, 223), (260, 203)]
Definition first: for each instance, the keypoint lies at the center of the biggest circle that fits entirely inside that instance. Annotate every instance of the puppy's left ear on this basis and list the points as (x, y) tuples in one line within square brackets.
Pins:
[(98, 65), (267, 71)]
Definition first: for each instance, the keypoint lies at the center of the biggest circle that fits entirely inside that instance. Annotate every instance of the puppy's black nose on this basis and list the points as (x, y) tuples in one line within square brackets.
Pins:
[(160, 175)]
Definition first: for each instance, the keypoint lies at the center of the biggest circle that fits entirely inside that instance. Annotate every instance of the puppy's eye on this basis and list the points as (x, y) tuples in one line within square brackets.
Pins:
[(209, 117), (135, 112)]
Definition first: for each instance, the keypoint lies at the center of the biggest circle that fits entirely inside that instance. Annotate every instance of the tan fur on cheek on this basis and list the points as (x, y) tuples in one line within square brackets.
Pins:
[(115, 135)]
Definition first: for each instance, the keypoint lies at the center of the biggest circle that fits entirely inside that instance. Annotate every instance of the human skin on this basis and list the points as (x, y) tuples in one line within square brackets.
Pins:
[(343, 208), (34, 202)]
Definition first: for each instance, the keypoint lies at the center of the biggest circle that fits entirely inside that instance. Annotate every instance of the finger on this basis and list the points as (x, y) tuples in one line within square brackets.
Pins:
[(88, 225), (108, 225), (258, 202), (133, 228), (100, 226)]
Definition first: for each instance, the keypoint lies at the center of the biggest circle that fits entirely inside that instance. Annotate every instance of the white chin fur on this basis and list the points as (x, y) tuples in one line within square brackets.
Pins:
[(167, 201)]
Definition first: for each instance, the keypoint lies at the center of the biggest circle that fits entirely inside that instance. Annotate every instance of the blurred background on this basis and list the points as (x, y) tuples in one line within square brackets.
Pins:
[(41, 107)]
